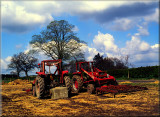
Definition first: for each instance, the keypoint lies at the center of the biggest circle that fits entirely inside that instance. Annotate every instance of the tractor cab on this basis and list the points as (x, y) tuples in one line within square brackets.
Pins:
[(51, 69), (50, 76), (90, 68), (48, 66)]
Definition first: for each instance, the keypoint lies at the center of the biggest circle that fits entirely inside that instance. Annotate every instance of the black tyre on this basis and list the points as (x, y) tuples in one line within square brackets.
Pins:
[(77, 83), (40, 87), (90, 89), (68, 83), (114, 83), (34, 90)]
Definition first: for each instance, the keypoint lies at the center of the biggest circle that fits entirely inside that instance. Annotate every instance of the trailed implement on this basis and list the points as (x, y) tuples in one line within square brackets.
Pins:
[(119, 89)]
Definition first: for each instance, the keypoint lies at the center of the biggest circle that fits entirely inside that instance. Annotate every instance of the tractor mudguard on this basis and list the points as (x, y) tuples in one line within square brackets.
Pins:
[(34, 82), (64, 72), (76, 73)]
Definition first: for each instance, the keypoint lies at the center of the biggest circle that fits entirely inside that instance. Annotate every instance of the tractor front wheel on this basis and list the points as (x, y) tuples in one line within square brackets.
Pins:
[(90, 89), (76, 83), (40, 87)]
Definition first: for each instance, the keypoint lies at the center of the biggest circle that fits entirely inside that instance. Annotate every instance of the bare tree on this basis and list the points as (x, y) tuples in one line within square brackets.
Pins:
[(23, 62), (15, 64), (28, 62), (118, 63), (127, 63)]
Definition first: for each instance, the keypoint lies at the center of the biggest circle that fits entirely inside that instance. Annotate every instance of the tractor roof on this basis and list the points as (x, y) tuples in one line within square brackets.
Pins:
[(58, 60), (85, 62)]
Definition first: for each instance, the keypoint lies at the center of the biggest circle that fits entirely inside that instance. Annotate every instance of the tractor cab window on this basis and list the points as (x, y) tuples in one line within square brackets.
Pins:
[(86, 66), (50, 68)]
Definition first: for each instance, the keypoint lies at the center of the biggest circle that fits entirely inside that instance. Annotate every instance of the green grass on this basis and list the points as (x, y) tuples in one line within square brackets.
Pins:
[(141, 84), (125, 78), (7, 80)]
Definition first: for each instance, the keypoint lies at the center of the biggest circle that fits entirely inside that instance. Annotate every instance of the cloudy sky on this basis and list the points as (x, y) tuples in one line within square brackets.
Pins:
[(111, 28)]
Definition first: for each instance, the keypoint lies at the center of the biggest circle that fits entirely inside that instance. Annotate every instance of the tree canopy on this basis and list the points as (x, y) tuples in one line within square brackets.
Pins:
[(108, 63), (58, 41)]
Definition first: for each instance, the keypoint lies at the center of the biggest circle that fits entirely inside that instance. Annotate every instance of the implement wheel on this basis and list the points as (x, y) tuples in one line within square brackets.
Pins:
[(76, 83), (90, 89), (68, 84), (40, 87), (114, 83)]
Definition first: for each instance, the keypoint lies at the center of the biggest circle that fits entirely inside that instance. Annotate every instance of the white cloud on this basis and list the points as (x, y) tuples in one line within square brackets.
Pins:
[(3, 64), (89, 52), (153, 17), (122, 24), (8, 59), (141, 53), (105, 42), (28, 15), (135, 45), (156, 46), (143, 29), (16, 18)]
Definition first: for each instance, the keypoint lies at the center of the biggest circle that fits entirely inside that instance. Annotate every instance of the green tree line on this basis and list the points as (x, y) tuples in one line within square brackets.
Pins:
[(140, 72)]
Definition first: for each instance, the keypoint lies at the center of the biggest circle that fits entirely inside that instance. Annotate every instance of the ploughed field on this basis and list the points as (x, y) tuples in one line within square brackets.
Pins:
[(17, 102)]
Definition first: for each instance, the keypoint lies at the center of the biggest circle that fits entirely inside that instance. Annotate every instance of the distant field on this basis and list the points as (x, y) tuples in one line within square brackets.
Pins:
[(141, 103)]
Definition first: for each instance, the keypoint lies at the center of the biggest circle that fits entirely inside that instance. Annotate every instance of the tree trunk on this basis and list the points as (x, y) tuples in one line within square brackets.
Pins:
[(18, 74), (26, 72), (128, 73)]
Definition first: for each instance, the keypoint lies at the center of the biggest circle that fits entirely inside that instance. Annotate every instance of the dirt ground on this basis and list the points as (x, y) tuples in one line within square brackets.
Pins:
[(16, 102)]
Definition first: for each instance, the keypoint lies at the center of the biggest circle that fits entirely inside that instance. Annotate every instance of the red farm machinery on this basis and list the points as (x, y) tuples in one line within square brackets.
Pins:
[(86, 76), (95, 80), (89, 76), (46, 80)]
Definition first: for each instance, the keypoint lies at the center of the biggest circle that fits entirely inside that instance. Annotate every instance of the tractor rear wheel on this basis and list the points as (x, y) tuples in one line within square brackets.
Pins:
[(40, 87), (68, 83), (90, 89), (34, 90), (76, 83)]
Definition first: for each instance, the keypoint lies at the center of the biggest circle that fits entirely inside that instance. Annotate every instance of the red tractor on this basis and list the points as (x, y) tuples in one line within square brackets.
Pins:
[(46, 80), (89, 76)]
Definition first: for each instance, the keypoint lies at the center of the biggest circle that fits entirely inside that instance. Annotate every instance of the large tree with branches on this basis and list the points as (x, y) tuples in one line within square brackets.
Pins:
[(58, 41)]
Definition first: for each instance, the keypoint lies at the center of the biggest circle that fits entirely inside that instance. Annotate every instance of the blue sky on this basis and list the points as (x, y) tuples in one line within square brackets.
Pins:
[(111, 28)]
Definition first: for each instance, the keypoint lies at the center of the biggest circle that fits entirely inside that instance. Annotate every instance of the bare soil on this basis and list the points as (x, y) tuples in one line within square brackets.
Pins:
[(16, 102)]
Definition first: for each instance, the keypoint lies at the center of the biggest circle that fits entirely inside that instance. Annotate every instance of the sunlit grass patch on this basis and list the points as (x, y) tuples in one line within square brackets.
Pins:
[(156, 82), (125, 82)]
